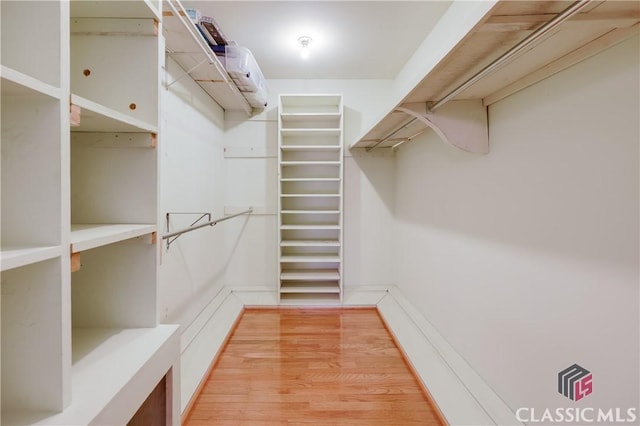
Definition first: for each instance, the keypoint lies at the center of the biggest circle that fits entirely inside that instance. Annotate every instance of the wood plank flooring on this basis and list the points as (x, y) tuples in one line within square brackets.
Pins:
[(311, 367)]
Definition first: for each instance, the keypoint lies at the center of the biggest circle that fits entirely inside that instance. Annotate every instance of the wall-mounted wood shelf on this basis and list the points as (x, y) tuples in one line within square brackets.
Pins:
[(189, 49), (98, 118), (596, 27), (88, 236), (15, 257), (15, 83)]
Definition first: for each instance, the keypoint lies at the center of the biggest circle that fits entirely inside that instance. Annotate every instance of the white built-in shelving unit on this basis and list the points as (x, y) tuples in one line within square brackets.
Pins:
[(79, 257), (310, 198)]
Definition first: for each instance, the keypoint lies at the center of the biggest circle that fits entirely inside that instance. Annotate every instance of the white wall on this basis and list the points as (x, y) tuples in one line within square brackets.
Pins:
[(460, 17), (526, 259), (251, 163), (192, 179)]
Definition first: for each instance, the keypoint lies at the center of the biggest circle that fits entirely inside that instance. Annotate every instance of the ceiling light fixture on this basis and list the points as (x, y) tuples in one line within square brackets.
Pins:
[(304, 42)]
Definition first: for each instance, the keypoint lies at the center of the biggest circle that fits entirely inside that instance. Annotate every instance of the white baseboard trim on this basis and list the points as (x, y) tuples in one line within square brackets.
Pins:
[(256, 295), (462, 395), (202, 341)]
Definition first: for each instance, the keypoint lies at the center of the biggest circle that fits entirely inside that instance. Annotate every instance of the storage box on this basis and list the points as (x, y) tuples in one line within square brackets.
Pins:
[(243, 68), (257, 99)]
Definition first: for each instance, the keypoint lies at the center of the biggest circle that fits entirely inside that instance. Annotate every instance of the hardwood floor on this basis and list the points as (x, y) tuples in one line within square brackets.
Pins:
[(311, 367)]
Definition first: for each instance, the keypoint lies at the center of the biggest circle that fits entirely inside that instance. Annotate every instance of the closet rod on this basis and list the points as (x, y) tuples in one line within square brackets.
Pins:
[(511, 53), (202, 225), (497, 63), (392, 134)]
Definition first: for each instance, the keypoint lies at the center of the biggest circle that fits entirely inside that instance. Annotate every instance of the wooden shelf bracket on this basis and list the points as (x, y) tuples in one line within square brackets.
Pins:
[(462, 124)]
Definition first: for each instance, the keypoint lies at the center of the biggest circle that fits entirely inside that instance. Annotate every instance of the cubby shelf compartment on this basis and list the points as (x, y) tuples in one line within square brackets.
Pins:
[(308, 227), (309, 243), (310, 158), (15, 83), (33, 250), (304, 117), (310, 275), (110, 366), (310, 299), (312, 212), (310, 287), (310, 148), (310, 132), (88, 236), (311, 163), (187, 47), (310, 180), (309, 259), (98, 118), (309, 195), (15, 257)]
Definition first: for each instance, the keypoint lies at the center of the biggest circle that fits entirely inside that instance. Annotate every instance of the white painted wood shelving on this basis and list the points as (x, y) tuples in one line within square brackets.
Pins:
[(187, 47), (310, 198), (508, 46), (79, 258)]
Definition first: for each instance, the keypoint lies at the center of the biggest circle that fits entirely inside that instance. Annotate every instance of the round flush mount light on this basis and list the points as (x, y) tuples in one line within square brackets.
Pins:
[(304, 41)]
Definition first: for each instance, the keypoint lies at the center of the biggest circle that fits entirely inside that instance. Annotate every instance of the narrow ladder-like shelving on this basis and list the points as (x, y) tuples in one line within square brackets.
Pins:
[(310, 199)]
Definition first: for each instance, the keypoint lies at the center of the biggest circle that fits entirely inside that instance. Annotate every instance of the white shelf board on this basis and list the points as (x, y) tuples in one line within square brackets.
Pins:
[(16, 256), (310, 132), (15, 83), (310, 289), (106, 361), (308, 227), (309, 243), (310, 180), (310, 147), (310, 299), (114, 9), (310, 212), (310, 275), (310, 195), (310, 100), (309, 259), (88, 236), (187, 47), (226, 95), (310, 163), (97, 118), (296, 117)]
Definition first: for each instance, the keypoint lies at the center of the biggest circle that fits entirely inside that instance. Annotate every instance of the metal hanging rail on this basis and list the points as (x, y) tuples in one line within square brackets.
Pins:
[(513, 52), (496, 64), (202, 225), (392, 134)]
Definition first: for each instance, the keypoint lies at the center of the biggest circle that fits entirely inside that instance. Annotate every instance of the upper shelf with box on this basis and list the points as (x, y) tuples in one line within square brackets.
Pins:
[(227, 72)]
